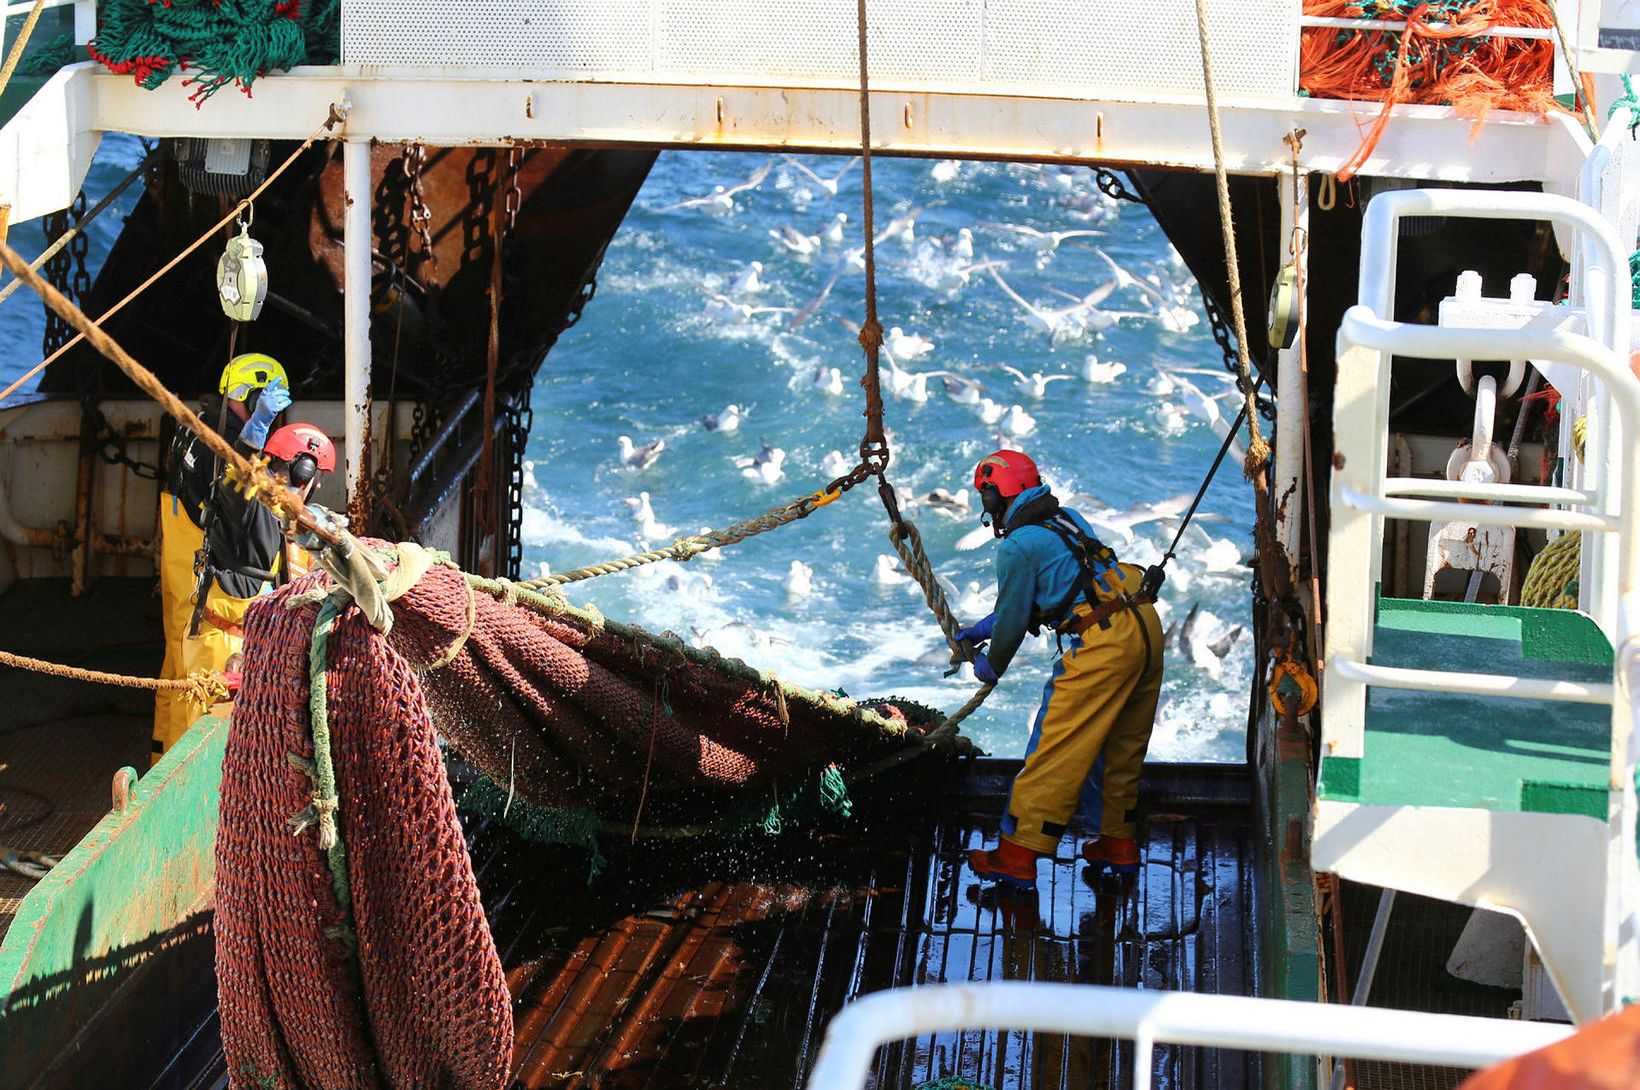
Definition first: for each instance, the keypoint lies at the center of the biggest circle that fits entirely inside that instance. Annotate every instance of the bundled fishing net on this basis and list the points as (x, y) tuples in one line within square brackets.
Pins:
[(1448, 64), (225, 41), (355, 953)]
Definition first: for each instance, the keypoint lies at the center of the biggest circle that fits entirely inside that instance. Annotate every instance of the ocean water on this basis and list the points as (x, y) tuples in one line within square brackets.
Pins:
[(668, 340), (655, 352)]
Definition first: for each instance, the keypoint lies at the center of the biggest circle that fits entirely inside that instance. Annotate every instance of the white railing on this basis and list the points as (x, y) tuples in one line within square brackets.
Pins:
[(1147, 1017), (1605, 498)]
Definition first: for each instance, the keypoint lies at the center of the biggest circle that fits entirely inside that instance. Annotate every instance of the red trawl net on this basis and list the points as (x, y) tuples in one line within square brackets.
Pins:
[(387, 976)]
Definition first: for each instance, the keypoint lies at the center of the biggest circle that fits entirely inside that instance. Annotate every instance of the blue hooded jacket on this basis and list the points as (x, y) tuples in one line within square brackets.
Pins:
[(1036, 573)]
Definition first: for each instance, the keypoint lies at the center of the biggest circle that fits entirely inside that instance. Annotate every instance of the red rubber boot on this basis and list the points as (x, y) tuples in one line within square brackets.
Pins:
[(1008, 863), (1117, 854)]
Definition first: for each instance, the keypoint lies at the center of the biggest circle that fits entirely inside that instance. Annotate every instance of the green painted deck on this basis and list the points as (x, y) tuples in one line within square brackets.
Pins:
[(1474, 752)]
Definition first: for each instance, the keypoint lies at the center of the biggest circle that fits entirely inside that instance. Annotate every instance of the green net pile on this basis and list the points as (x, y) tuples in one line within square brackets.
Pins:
[(222, 41)]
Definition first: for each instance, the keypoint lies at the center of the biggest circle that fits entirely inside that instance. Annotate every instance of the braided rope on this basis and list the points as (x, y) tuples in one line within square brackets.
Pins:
[(202, 687), (1551, 581), (907, 541), (691, 545), (1258, 451)]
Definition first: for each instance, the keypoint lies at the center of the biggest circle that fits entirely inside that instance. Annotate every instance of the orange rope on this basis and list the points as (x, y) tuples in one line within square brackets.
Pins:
[(1496, 74)]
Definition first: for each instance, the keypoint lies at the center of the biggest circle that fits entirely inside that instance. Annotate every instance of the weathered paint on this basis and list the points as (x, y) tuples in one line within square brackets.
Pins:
[(139, 883), (1288, 920)]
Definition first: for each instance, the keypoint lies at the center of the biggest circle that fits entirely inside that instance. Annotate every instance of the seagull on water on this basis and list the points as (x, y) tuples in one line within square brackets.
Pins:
[(834, 465), (907, 346), (989, 411), (1174, 316), (765, 466), (946, 170), (964, 391), (795, 241), (953, 278), (828, 380), (750, 281), (727, 420), (639, 457), (963, 248), (721, 201), (827, 184), (649, 527), (833, 232), (1099, 373), (1034, 384), (1018, 421), (951, 504)]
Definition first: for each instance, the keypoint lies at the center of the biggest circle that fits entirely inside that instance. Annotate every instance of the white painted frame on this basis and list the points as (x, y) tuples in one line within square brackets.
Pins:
[(1146, 1017)]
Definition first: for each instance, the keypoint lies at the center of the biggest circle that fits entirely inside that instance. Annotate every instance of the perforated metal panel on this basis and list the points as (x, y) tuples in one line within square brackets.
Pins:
[(557, 38), (1096, 48)]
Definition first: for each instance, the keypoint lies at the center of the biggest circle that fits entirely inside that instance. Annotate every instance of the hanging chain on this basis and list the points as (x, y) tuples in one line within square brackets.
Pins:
[(1111, 185), (515, 195), (413, 162), (66, 271)]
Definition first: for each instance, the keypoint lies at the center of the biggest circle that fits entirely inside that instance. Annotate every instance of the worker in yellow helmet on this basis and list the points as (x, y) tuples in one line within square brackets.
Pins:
[(193, 470)]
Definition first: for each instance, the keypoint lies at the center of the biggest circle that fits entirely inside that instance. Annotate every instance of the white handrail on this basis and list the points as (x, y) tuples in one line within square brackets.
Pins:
[(1474, 490), (1452, 681), (1536, 518), (1214, 1021)]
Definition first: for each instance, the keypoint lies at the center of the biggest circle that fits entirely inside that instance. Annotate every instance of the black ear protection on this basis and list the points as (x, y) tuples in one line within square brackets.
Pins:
[(303, 468)]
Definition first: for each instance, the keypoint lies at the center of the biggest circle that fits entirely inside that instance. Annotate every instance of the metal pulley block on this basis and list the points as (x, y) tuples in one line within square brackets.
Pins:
[(242, 276), (1463, 546)]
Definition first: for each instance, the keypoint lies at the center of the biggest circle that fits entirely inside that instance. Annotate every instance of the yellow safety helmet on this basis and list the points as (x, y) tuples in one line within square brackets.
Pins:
[(247, 372)]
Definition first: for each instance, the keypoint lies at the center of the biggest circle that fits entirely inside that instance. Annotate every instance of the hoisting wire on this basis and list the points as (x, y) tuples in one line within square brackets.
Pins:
[(1224, 448), (233, 214)]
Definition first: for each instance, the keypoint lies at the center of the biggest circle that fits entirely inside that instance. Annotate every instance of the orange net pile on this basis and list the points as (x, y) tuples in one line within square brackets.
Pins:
[(1440, 58)]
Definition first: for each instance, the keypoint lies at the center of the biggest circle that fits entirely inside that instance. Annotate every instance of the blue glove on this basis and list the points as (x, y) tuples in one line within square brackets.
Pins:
[(982, 669), (273, 400), (979, 631)]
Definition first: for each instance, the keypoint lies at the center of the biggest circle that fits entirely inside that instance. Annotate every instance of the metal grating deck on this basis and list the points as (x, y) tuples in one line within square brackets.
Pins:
[(720, 971), (62, 741)]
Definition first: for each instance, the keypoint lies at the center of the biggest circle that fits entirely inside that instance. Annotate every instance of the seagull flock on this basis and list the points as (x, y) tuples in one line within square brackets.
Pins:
[(1162, 293)]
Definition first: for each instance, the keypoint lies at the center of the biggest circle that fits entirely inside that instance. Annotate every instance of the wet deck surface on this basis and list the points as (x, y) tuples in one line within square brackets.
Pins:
[(721, 971), (62, 741)]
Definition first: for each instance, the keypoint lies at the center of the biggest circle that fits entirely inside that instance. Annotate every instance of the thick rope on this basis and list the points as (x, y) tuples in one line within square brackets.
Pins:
[(1258, 451), (232, 215), (202, 687), (20, 44), (1552, 580)]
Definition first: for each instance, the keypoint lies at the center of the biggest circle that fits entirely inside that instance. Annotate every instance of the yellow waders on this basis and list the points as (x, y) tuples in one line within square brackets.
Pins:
[(179, 541), (1100, 702)]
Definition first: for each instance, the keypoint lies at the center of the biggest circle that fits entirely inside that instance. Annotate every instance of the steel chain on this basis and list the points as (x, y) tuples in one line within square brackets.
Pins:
[(1219, 326), (515, 196), (1111, 185), (59, 271), (413, 162)]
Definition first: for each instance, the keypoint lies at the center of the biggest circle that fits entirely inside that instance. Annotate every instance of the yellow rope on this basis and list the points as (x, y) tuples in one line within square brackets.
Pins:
[(1552, 580), (202, 687)]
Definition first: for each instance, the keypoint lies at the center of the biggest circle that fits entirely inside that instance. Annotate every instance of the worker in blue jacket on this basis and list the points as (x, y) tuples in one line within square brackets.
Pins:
[(1091, 732)]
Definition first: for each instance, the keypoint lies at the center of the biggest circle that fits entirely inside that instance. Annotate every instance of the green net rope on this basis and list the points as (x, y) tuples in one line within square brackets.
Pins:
[(223, 41)]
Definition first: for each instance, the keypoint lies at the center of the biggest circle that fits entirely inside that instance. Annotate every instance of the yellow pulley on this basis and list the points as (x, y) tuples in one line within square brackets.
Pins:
[(1289, 670)]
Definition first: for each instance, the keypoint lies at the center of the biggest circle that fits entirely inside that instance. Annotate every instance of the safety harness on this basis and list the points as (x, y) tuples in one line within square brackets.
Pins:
[(1096, 560)]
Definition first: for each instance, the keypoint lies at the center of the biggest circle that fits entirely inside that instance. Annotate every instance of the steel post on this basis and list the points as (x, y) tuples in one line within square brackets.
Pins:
[(356, 241), (1290, 385)]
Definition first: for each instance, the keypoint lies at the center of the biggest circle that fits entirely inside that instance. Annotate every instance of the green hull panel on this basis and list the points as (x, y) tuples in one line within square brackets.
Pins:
[(141, 882)]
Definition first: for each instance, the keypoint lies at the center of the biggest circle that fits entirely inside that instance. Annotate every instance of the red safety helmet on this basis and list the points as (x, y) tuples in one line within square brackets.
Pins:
[(307, 450), (1010, 472)]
